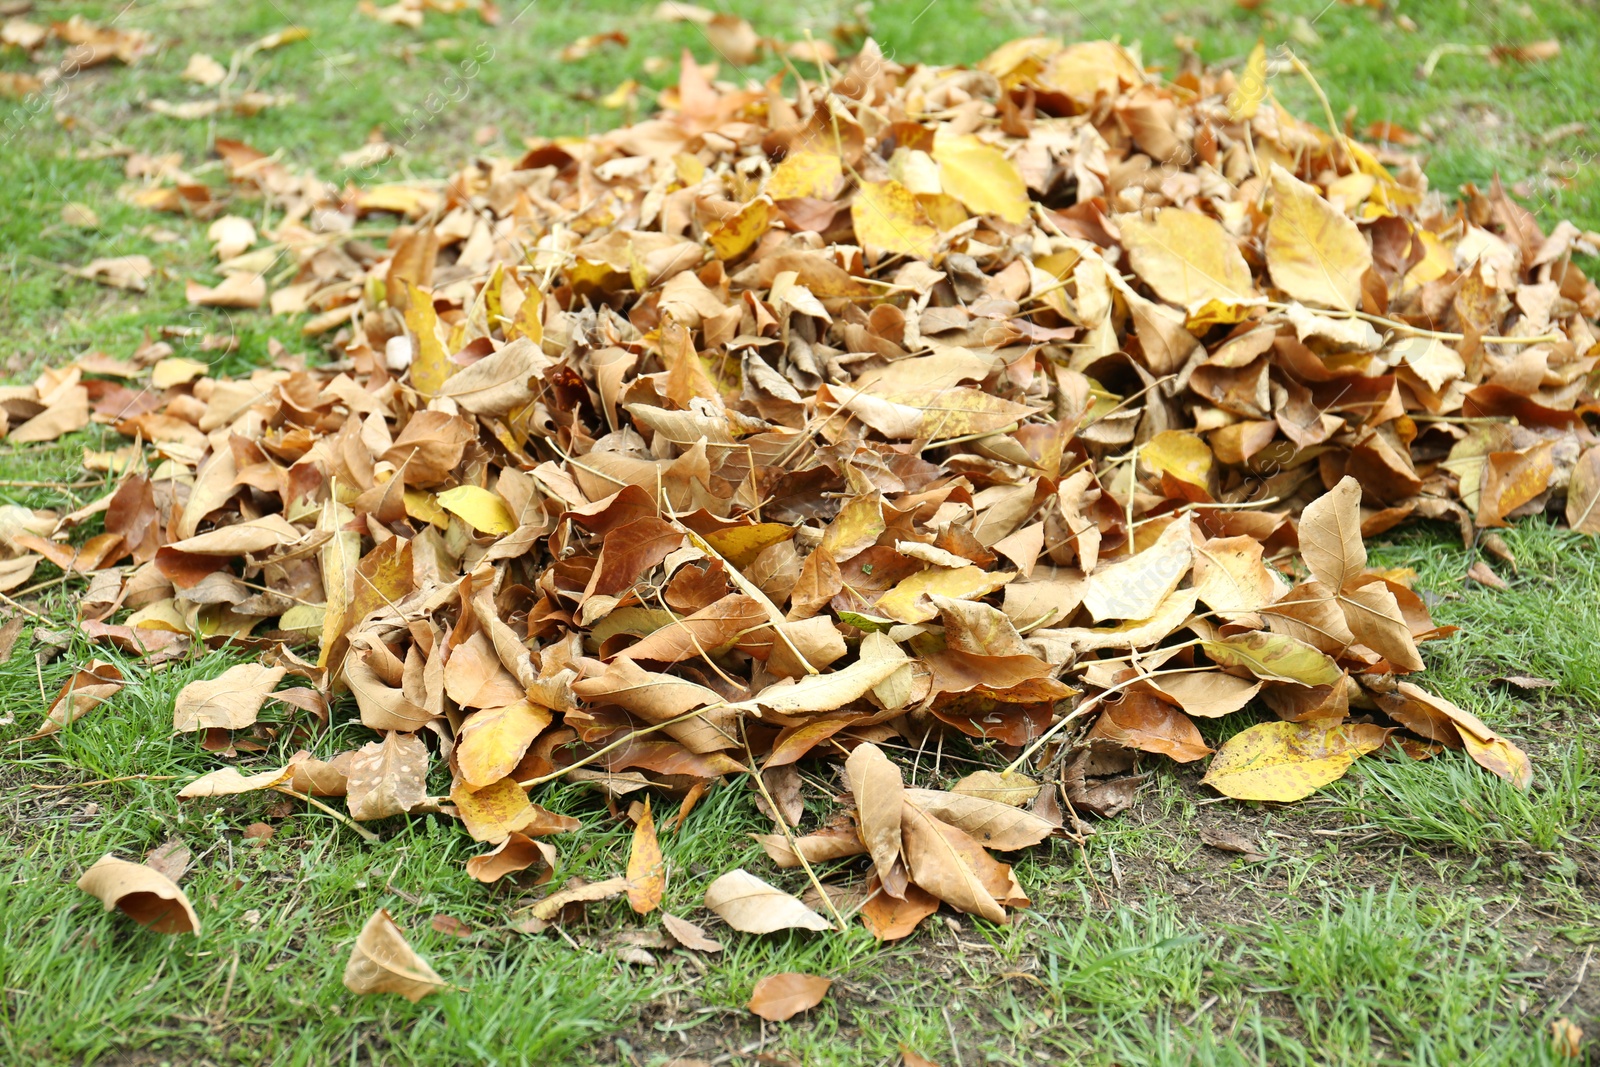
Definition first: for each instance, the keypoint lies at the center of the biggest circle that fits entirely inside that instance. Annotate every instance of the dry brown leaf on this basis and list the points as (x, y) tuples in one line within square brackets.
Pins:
[(1004, 787), (688, 934), (382, 961), (142, 893), (782, 996), (86, 690), (751, 906), (516, 853), (230, 701), (938, 863), (989, 821), (552, 906), (878, 787), (388, 777), (647, 871)]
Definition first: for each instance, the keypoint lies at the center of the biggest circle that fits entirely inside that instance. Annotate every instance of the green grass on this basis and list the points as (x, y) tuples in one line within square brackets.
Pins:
[(1365, 937)]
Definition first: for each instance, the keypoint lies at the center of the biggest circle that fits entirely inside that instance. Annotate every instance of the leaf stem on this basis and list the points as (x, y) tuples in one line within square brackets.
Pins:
[(788, 835), (365, 834)]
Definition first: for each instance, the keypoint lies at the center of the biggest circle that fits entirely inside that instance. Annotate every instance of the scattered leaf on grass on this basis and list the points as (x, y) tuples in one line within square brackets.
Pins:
[(688, 934), (142, 893), (382, 961), (230, 701), (751, 906), (1289, 760), (88, 688), (647, 871)]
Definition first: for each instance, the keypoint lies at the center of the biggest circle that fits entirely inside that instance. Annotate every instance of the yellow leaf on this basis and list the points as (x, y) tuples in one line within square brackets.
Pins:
[(493, 741), (814, 174), (888, 221), (1136, 587), (177, 371), (982, 178), (908, 601), (1019, 61), (857, 526), (944, 212), (690, 170), (1179, 453), (620, 97), (1089, 70), (647, 872), (1289, 760), (494, 812), (1252, 88), (740, 230), (1275, 657), (430, 364), (1314, 253), (423, 505), (307, 619), (1187, 258), (740, 545), (478, 508)]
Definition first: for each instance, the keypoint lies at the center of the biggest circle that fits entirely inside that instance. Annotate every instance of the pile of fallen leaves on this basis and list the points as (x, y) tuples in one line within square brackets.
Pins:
[(1043, 404)]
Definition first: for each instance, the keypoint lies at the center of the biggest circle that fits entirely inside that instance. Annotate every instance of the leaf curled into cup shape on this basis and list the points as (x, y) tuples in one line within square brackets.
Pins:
[(383, 961), (142, 893)]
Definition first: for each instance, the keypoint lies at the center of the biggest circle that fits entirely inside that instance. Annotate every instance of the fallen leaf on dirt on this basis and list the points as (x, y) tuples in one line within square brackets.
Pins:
[(878, 787), (889, 919), (1566, 1038), (1229, 841), (171, 859), (382, 961), (991, 823), (939, 862), (142, 893), (1420, 711), (782, 996)]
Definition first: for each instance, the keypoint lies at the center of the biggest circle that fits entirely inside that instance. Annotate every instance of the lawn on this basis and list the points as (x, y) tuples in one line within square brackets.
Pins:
[(1411, 913)]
